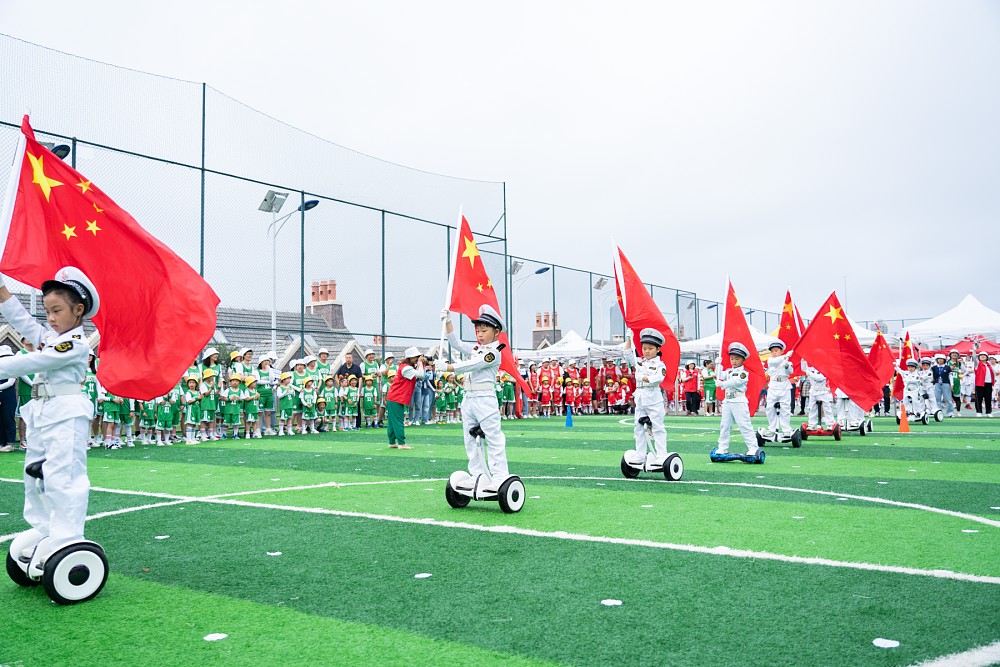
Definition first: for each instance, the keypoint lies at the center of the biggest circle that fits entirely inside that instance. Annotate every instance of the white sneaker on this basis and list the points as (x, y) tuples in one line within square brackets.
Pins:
[(313, 430)]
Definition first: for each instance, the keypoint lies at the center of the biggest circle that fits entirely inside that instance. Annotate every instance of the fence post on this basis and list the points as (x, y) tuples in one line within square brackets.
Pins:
[(201, 243), (590, 290), (553, 305), (302, 274), (382, 337)]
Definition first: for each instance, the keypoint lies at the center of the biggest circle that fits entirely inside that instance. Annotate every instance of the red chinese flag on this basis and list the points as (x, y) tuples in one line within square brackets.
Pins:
[(156, 312), (789, 332), (736, 330), (829, 345), (472, 288), (640, 312), (906, 352), (880, 357)]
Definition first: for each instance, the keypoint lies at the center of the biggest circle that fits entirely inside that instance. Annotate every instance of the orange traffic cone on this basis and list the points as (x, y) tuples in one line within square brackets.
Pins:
[(904, 425)]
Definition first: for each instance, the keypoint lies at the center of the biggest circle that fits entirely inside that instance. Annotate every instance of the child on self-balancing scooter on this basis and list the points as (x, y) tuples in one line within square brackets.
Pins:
[(481, 420), (53, 551), (650, 453), (779, 400), (736, 410)]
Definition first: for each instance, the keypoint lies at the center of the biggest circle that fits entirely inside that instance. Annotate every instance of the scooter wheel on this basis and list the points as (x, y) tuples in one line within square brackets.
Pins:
[(805, 435), (628, 470), (939, 416), (797, 438), (862, 430), (17, 575), (454, 498), (923, 419), (897, 419), (836, 432), (868, 425), (76, 573), (673, 468), (511, 495)]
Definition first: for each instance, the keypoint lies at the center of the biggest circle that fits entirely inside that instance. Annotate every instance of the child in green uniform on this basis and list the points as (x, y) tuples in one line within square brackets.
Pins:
[(353, 396), (147, 421), (498, 390), (192, 409), (127, 419), (210, 362), (459, 395), (287, 397), (328, 393), (90, 390), (164, 420), (308, 398), (251, 407), (508, 395), (174, 398), (109, 407), (209, 404), (369, 401), (453, 390), (324, 366), (231, 404), (299, 375), (265, 387), (440, 401)]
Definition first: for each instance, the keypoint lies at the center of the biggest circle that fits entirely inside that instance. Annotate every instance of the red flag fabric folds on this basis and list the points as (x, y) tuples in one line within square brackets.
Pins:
[(641, 312), (830, 346), (880, 357), (156, 312), (471, 288), (736, 330), (905, 353), (789, 332)]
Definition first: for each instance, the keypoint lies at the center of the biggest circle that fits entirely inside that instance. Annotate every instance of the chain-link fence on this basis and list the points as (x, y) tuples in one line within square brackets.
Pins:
[(308, 244)]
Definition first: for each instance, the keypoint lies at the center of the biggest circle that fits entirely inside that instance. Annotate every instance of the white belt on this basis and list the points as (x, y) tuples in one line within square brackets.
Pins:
[(479, 386), (44, 390)]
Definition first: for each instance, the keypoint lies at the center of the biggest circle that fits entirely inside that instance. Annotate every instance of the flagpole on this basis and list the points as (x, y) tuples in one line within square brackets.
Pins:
[(11, 194), (451, 281), (619, 285)]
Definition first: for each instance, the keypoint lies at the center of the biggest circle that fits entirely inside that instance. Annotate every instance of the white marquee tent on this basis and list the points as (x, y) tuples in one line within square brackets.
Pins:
[(571, 346), (711, 344), (970, 317)]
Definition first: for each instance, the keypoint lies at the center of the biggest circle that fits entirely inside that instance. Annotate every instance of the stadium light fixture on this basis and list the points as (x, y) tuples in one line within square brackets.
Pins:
[(601, 282)]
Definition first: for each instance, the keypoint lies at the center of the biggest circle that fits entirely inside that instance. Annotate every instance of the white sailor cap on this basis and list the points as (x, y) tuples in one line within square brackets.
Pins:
[(925, 360), (740, 349), (652, 336), (777, 343), (74, 279), (912, 362), (487, 315)]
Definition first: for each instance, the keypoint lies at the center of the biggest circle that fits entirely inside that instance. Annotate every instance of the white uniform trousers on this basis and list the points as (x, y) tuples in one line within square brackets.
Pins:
[(650, 404), (779, 408), (63, 511), (815, 401), (482, 411), (737, 413)]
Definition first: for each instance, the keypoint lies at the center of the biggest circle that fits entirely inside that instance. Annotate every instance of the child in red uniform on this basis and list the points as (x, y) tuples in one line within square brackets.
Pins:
[(545, 397), (569, 397), (557, 397)]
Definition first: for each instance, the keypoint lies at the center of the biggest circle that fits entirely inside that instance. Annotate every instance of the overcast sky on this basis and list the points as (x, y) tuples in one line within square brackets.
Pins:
[(788, 144)]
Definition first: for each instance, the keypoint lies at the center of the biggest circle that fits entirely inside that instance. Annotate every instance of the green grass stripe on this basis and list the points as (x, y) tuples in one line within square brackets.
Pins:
[(136, 622), (854, 531), (520, 595)]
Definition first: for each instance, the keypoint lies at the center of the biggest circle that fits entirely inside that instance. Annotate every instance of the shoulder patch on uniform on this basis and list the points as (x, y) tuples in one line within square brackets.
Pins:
[(77, 337), (489, 357), (64, 346), (743, 376)]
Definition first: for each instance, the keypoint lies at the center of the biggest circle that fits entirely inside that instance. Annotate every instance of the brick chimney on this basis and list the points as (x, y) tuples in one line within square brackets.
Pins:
[(324, 302), (546, 329)]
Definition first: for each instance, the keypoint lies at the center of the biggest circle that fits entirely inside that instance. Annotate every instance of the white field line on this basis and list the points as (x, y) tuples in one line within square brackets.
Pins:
[(561, 535), (226, 499), (977, 657)]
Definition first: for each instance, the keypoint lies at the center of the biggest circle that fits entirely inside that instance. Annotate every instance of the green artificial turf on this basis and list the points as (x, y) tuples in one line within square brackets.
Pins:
[(343, 590)]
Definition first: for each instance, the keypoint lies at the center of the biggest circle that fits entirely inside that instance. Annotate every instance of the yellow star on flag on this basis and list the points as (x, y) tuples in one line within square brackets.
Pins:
[(788, 308), (847, 336), (737, 304), (489, 283), (836, 336), (99, 210), (43, 181), (83, 185), (834, 314), (471, 252), (479, 287), (788, 326), (68, 232), (92, 227)]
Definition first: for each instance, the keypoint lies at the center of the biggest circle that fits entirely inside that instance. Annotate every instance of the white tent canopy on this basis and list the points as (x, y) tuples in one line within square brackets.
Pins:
[(571, 346), (711, 344), (866, 337), (970, 317)]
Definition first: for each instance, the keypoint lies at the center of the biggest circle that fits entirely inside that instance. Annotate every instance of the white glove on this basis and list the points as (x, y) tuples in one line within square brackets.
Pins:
[(445, 315)]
